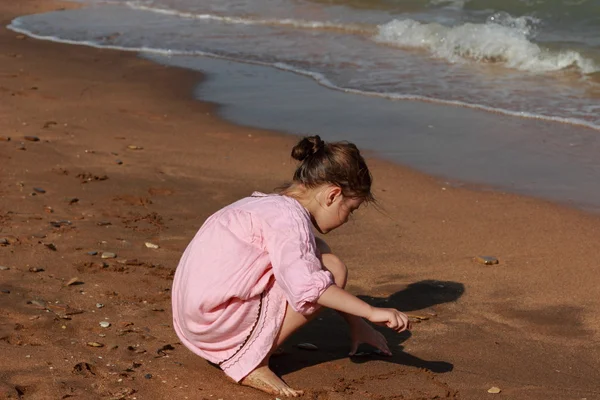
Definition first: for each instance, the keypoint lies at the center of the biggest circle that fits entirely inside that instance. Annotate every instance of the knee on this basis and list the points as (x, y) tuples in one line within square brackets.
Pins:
[(337, 268)]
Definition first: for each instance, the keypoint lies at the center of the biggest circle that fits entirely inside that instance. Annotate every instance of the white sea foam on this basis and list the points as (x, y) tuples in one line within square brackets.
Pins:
[(502, 39), (321, 79)]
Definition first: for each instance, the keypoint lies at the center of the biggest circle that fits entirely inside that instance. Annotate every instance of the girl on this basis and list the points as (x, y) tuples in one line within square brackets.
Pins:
[(254, 273)]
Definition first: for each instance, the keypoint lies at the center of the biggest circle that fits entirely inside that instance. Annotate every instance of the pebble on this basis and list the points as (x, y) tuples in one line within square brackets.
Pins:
[(148, 376), (73, 200), (32, 138), (48, 209), (104, 324), (152, 245), (103, 223), (307, 346), (58, 224), (108, 255), (50, 246), (99, 305), (486, 260), (73, 281), (95, 344), (3, 268), (92, 253), (6, 291), (36, 269), (4, 242), (134, 147), (494, 390), (39, 190)]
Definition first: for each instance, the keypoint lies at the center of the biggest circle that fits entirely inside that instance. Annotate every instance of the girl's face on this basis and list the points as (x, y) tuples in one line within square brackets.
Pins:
[(334, 209)]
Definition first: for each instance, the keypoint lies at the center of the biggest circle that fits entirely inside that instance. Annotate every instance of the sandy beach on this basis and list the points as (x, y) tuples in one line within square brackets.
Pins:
[(102, 152)]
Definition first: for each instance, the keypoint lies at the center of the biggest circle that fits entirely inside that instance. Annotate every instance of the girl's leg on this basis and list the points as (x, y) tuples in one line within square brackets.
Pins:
[(262, 377)]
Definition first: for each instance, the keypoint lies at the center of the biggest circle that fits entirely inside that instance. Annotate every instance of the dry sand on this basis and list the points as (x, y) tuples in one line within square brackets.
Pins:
[(528, 325)]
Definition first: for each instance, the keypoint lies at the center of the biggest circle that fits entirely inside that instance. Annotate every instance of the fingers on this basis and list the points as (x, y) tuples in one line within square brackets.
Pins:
[(398, 321)]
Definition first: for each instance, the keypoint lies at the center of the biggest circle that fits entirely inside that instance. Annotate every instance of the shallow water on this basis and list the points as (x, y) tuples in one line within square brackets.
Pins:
[(538, 59), (432, 84)]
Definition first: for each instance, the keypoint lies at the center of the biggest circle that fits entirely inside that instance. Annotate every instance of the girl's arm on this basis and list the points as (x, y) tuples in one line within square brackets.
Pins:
[(339, 299)]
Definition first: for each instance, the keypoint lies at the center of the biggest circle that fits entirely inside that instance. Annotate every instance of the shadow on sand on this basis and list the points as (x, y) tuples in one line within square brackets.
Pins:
[(329, 332)]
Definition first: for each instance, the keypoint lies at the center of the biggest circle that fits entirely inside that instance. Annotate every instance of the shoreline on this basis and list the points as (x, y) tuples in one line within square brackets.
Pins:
[(511, 325), (543, 159)]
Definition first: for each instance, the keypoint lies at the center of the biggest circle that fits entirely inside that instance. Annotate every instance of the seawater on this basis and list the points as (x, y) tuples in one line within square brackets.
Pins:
[(528, 58), (371, 63)]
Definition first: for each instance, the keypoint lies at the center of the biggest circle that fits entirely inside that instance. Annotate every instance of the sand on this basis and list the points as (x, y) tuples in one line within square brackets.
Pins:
[(528, 325)]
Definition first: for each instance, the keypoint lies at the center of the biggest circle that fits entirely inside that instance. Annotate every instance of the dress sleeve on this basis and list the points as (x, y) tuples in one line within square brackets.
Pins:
[(291, 246)]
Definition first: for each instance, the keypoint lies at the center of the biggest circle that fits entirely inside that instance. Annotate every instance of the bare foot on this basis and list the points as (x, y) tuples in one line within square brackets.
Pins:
[(262, 378)]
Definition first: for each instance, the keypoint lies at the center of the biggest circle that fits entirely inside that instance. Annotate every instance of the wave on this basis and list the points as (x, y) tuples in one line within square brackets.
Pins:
[(502, 39), (293, 23), (317, 77)]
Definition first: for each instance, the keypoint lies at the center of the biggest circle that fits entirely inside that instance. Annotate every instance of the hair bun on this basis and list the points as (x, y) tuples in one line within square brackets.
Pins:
[(307, 147)]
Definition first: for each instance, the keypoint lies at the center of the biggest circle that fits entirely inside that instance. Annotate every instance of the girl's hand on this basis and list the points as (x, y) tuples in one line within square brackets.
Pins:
[(361, 332), (391, 318)]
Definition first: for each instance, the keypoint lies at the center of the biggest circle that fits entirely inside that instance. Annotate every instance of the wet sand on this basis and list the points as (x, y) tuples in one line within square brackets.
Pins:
[(528, 325)]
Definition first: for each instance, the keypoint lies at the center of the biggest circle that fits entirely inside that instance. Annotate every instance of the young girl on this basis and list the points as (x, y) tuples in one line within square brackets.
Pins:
[(254, 273)]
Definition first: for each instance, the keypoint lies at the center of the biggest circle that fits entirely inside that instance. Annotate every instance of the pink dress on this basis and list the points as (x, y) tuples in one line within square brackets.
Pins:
[(236, 277)]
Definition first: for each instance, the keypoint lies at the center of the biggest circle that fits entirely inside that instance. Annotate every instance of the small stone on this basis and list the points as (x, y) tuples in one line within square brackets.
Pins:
[(3, 268), (494, 390), (50, 246), (39, 190), (103, 223), (104, 324), (41, 304), (307, 346), (148, 376), (95, 344), (134, 147), (4, 242), (151, 245), (32, 138), (108, 255), (74, 281), (48, 209), (99, 305), (5, 291), (36, 269), (58, 224), (486, 260), (118, 162), (11, 239), (73, 200), (92, 253)]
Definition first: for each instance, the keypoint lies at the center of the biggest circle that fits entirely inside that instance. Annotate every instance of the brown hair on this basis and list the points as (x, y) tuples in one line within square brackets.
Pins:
[(336, 163)]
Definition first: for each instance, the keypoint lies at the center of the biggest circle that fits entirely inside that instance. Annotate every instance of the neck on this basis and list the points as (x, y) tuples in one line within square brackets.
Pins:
[(306, 197)]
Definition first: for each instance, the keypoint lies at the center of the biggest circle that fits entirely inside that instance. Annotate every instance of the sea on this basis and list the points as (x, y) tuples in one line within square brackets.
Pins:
[(500, 93)]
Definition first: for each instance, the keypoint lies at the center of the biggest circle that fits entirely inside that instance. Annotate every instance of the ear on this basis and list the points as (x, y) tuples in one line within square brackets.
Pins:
[(334, 193)]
